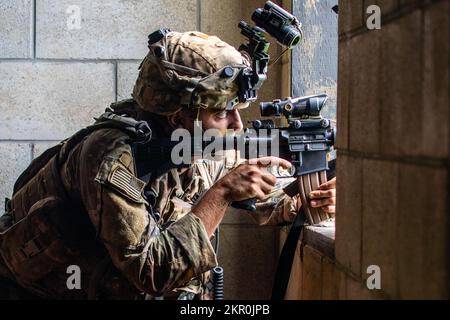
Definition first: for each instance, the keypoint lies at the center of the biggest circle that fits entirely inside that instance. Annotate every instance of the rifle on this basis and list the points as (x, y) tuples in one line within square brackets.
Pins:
[(306, 142)]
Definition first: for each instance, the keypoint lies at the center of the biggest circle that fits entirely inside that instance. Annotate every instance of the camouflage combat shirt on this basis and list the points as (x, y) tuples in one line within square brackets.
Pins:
[(134, 254)]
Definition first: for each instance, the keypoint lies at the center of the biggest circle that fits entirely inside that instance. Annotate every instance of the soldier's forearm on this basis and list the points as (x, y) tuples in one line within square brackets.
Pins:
[(211, 208)]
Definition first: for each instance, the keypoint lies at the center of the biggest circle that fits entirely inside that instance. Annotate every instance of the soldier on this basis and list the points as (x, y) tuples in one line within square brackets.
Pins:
[(80, 203)]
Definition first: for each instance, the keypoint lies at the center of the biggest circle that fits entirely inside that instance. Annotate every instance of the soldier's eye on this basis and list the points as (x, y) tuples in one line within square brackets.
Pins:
[(221, 114)]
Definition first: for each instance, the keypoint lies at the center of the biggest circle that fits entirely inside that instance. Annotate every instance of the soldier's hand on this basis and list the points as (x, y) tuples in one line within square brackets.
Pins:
[(251, 179), (325, 198)]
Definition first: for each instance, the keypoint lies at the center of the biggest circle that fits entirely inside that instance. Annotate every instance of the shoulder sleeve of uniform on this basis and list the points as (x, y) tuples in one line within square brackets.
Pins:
[(115, 172), (106, 159), (103, 163)]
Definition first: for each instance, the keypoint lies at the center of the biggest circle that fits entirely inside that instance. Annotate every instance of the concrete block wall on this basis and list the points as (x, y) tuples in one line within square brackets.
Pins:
[(63, 62), (393, 148), (393, 159), (315, 276)]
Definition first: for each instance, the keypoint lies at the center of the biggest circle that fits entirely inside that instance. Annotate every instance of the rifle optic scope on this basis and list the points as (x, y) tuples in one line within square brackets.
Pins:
[(294, 107), (279, 23)]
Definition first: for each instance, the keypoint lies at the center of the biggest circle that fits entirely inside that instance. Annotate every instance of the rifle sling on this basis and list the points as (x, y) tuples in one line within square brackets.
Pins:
[(286, 259)]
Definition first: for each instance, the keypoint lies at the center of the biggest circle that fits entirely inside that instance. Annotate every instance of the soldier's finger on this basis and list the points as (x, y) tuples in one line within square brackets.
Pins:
[(328, 185), (329, 209), (265, 187), (270, 179), (270, 161), (260, 195), (323, 202), (319, 194)]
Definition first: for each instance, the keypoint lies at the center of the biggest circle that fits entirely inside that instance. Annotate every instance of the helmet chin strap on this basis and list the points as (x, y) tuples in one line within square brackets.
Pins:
[(197, 122)]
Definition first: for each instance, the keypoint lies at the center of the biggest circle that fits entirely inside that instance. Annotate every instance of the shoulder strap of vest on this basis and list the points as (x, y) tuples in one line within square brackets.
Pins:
[(139, 131)]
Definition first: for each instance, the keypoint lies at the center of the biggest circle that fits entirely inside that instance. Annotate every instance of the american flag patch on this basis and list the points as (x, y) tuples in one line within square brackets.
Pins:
[(127, 184)]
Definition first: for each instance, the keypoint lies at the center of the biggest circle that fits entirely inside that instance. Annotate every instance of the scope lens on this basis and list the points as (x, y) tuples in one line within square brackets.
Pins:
[(291, 37), (269, 109)]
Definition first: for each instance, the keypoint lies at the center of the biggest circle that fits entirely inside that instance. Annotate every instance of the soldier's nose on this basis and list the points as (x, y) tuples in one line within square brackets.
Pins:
[(235, 121)]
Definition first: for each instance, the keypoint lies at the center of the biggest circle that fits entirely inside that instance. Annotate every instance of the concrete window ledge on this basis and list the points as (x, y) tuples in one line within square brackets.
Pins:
[(320, 237)]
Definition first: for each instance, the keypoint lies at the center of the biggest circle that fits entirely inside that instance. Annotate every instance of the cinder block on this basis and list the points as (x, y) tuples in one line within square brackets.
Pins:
[(295, 286), (343, 96), (248, 255), (330, 288), (312, 274), (380, 210), (434, 107), (423, 226), (365, 93), (401, 85), (350, 15), (14, 157), (51, 101), (111, 29), (15, 29), (127, 73), (221, 18), (349, 213), (40, 147)]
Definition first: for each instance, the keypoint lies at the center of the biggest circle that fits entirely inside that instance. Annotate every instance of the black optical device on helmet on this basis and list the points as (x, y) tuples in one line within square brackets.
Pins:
[(278, 23), (157, 35)]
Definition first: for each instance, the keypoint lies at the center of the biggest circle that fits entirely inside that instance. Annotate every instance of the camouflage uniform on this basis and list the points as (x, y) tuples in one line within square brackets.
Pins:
[(86, 207)]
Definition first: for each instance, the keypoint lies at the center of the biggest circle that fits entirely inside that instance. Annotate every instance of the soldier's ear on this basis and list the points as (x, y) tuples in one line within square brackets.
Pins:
[(175, 120), (182, 118)]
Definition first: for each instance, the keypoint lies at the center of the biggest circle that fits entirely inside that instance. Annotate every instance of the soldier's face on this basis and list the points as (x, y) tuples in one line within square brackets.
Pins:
[(221, 120), (212, 119)]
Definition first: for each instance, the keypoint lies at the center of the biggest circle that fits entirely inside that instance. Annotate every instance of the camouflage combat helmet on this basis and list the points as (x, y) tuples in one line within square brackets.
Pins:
[(189, 69)]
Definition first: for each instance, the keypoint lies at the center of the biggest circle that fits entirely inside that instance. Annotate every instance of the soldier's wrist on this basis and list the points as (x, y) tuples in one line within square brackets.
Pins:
[(222, 192)]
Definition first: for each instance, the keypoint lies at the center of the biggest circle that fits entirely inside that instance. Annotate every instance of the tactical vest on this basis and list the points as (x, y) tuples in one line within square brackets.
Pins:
[(43, 230)]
